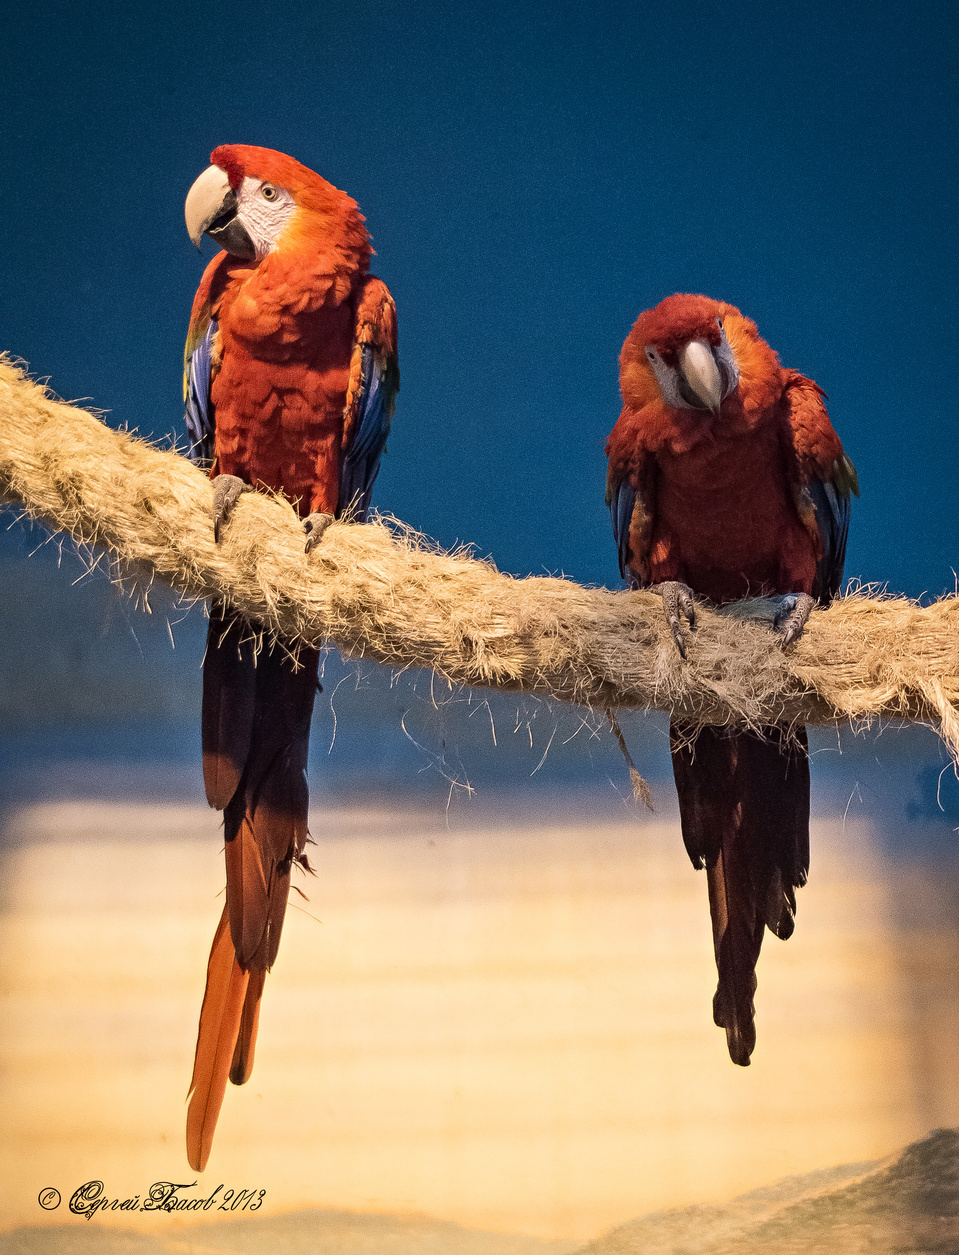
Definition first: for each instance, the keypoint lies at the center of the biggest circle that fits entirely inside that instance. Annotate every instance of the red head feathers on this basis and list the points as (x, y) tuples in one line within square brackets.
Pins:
[(326, 214)]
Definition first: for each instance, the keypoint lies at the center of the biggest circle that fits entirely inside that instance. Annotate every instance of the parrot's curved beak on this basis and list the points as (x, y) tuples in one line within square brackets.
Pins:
[(700, 381), (211, 209)]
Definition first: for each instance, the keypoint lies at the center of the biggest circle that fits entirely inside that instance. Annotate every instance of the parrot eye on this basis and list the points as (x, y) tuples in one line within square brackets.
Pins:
[(651, 353), (720, 322), (269, 191)]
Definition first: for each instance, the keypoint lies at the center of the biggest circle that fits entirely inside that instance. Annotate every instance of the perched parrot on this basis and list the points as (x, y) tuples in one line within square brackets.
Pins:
[(727, 480), (290, 379)]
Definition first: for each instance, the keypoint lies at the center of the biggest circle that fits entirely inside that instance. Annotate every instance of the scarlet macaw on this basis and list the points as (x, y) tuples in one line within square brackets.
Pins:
[(727, 480), (290, 379)]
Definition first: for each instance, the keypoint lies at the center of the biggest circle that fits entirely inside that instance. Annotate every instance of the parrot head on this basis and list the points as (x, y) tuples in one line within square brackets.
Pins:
[(690, 352), (251, 200)]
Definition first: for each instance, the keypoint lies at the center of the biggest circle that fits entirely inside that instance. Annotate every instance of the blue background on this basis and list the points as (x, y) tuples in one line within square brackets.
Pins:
[(534, 176)]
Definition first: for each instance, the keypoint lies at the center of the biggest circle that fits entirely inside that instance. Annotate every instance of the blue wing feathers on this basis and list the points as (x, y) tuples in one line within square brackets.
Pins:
[(832, 517), (622, 503), (199, 416), (361, 459)]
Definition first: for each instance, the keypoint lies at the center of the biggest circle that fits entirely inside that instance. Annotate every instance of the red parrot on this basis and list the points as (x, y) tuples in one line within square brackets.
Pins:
[(290, 380), (727, 480)]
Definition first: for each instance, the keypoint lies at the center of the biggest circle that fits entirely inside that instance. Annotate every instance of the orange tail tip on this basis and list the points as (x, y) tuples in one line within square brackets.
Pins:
[(221, 1018)]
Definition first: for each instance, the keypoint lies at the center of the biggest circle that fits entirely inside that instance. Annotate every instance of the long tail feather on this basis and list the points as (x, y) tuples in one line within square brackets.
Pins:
[(242, 1066), (247, 886), (737, 939), (220, 1019), (229, 697), (744, 806), (256, 727)]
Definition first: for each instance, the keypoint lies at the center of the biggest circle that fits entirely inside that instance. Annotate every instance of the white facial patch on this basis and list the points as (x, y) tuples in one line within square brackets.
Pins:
[(726, 361), (668, 378), (264, 209)]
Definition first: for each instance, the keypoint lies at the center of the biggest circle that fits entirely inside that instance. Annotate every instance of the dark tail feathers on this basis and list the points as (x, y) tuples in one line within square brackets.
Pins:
[(257, 707), (744, 806)]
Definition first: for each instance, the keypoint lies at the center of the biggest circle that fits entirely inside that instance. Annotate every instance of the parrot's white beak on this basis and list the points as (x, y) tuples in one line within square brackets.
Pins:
[(211, 209), (205, 200), (698, 367)]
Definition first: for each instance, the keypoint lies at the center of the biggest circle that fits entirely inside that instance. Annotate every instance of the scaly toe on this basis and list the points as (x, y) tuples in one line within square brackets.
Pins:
[(315, 525), (226, 493), (678, 603), (792, 616)]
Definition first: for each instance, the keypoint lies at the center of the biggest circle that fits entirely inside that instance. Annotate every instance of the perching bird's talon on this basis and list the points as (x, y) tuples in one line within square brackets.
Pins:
[(792, 616), (226, 493), (678, 601), (315, 525)]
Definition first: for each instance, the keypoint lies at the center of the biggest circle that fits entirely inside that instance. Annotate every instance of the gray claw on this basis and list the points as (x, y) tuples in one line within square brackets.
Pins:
[(226, 493), (678, 602), (792, 616), (315, 525)]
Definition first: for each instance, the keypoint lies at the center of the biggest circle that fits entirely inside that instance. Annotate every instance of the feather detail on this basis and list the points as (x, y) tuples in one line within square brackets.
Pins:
[(242, 1066), (631, 500), (247, 888), (201, 362), (370, 398), (824, 479), (265, 822), (220, 1020), (737, 938), (229, 696)]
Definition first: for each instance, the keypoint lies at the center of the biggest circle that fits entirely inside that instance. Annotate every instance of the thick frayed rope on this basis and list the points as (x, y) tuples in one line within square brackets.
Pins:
[(379, 591)]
